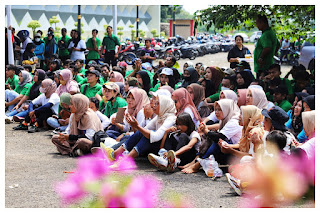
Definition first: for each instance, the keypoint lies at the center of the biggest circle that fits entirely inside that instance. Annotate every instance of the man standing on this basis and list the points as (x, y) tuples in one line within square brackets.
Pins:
[(93, 45), (284, 49), (267, 45), (109, 45), (63, 43)]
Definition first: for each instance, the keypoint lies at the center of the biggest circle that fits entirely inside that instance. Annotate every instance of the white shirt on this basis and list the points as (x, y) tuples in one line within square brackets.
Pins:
[(105, 121), (195, 134), (285, 44), (213, 117), (54, 99), (232, 130), (158, 134), (309, 147), (189, 111), (78, 54)]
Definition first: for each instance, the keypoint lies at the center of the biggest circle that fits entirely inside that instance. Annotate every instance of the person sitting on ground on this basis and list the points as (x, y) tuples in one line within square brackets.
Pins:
[(49, 101), (75, 73), (111, 91), (144, 80), (258, 98), (212, 79), (244, 79), (227, 112), (197, 68), (105, 72), (66, 83), (116, 77), (130, 83), (91, 88), (280, 97), (242, 96), (197, 94), (190, 76), (12, 78), (83, 124), (308, 103), (202, 71), (147, 140), (53, 65), (94, 105), (79, 63), (188, 64), (60, 122), (179, 145), (166, 78)]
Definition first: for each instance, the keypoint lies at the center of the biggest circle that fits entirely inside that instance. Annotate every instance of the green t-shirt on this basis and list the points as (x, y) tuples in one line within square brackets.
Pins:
[(267, 39), (90, 91), (84, 81), (216, 96), (28, 92), (111, 109), (13, 82), (63, 49), (93, 54), (149, 73), (110, 42), (78, 79), (83, 71), (156, 87), (285, 105), (23, 90)]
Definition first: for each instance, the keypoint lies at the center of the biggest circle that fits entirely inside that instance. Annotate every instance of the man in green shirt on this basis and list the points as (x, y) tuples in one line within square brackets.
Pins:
[(280, 97), (91, 88), (93, 45), (267, 45), (13, 80), (79, 65), (109, 45), (63, 43)]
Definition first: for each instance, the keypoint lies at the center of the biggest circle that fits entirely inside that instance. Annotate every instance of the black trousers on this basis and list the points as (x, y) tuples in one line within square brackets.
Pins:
[(175, 142), (40, 117), (109, 58)]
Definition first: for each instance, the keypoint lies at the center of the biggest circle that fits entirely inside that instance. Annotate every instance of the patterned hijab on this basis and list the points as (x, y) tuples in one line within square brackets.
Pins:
[(184, 98), (84, 118), (251, 118), (49, 87), (140, 99)]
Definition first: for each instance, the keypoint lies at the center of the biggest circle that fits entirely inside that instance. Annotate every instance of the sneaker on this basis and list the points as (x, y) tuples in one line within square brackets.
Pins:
[(33, 129), (234, 183), (18, 119), (56, 131), (20, 127), (9, 119), (158, 161), (108, 151), (76, 153), (173, 161)]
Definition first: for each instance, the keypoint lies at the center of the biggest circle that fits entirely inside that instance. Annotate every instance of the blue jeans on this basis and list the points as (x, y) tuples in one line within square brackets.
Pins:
[(113, 134), (10, 95), (55, 124), (141, 144)]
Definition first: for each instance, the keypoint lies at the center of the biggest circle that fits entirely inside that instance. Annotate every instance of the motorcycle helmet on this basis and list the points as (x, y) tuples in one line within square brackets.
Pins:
[(23, 34), (156, 47)]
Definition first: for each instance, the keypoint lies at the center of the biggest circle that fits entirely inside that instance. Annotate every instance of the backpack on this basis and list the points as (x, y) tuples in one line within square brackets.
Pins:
[(97, 138)]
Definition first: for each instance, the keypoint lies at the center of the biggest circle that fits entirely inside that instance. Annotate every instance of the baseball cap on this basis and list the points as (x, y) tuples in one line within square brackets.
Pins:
[(112, 86), (166, 71), (37, 35), (228, 71), (161, 92), (96, 72), (123, 64), (146, 66), (278, 117)]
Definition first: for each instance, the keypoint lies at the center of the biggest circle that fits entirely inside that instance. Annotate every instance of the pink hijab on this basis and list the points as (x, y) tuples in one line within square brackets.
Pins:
[(242, 97), (141, 99), (170, 89), (85, 118), (185, 101), (118, 77), (49, 86), (71, 85)]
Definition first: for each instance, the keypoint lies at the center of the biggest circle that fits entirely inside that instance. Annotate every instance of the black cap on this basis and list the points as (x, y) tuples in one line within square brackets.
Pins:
[(278, 117), (96, 72)]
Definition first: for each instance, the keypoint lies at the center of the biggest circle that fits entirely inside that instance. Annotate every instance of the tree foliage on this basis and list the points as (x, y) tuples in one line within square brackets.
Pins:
[(286, 20), (34, 24), (167, 11)]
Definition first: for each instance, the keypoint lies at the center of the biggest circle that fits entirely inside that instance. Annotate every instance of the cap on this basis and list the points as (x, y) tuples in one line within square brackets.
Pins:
[(229, 71), (112, 86), (146, 66), (161, 92), (92, 62), (278, 117), (37, 35), (96, 72), (123, 64), (166, 71)]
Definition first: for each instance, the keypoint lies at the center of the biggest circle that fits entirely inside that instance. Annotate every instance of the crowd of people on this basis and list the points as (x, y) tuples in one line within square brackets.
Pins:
[(175, 117)]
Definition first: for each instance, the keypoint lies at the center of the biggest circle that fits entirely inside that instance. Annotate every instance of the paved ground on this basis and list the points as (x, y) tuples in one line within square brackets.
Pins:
[(32, 162)]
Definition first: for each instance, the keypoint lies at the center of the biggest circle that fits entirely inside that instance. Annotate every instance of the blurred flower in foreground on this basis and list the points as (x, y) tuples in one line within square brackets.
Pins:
[(99, 183), (277, 181)]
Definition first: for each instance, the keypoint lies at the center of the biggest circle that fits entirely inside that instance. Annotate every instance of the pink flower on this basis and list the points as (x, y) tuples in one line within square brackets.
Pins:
[(142, 192), (125, 164)]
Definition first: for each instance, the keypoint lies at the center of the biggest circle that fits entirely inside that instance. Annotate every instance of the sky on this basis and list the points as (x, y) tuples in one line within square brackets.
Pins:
[(191, 8)]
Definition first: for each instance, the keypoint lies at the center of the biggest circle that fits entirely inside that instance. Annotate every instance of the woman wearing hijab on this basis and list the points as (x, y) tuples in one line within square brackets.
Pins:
[(227, 112), (147, 139), (83, 124), (197, 94), (244, 79), (12, 97), (137, 98), (19, 112), (308, 103), (242, 95), (258, 98), (229, 94), (190, 76), (184, 103), (116, 77), (29, 52), (67, 84), (49, 104), (187, 64), (144, 80), (60, 122), (212, 80)]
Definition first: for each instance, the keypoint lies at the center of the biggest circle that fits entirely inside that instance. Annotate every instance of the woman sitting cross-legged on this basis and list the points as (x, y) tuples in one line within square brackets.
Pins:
[(83, 124), (148, 139)]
